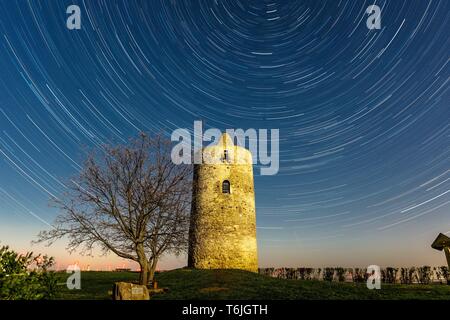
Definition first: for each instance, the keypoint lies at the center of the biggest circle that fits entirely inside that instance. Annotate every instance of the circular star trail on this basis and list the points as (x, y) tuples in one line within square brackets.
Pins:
[(363, 114)]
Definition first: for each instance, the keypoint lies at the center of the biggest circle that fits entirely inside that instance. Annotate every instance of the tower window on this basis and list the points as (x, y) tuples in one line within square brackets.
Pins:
[(226, 186), (225, 155)]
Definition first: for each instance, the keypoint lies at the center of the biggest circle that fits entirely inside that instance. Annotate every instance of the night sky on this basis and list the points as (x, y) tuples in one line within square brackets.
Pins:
[(363, 114)]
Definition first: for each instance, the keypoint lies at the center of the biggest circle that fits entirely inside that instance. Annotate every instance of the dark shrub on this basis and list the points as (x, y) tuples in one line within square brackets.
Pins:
[(445, 274), (291, 273), (359, 275), (340, 272), (390, 274), (404, 276), (412, 272), (328, 274), (424, 274), (25, 276), (309, 273)]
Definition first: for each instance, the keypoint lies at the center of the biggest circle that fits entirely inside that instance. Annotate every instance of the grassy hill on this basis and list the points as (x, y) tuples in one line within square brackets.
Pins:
[(237, 284)]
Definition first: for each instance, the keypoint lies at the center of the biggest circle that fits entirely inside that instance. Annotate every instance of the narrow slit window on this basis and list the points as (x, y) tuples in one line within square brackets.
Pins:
[(226, 186), (225, 155)]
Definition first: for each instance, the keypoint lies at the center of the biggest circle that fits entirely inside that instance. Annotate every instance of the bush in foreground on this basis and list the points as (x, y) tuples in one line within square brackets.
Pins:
[(25, 277)]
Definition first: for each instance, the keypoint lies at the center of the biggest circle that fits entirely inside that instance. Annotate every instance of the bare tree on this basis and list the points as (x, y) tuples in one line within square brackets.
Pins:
[(131, 200)]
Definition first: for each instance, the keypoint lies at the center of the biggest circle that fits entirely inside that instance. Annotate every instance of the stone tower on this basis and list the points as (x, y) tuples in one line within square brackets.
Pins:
[(222, 231)]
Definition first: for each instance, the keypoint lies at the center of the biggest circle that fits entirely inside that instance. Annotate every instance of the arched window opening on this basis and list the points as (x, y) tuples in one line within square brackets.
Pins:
[(226, 188), (225, 155)]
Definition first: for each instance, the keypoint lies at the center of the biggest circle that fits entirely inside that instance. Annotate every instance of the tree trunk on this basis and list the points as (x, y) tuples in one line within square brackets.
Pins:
[(151, 269), (143, 276), (143, 263)]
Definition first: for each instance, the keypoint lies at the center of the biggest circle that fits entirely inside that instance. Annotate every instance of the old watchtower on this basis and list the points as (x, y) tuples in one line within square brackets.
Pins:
[(222, 231)]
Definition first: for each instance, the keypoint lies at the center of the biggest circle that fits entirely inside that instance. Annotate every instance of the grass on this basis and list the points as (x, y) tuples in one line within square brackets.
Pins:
[(237, 284)]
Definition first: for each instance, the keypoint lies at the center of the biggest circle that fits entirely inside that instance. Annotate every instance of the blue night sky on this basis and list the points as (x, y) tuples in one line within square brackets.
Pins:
[(363, 114)]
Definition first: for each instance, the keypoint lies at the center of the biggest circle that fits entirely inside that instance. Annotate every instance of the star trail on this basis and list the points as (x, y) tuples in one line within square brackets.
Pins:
[(363, 114)]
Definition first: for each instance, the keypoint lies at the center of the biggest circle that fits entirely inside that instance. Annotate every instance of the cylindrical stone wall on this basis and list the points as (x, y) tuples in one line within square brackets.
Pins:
[(223, 225)]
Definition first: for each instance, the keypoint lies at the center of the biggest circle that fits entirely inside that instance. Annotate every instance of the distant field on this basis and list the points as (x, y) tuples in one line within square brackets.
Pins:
[(236, 284)]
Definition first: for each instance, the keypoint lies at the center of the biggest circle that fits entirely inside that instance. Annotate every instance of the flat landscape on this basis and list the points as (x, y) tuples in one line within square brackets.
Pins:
[(237, 284)]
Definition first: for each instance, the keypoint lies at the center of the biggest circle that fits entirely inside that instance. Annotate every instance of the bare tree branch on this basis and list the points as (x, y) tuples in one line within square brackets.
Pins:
[(131, 200)]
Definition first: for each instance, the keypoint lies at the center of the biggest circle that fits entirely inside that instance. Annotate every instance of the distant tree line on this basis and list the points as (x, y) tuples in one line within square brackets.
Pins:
[(422, 275)]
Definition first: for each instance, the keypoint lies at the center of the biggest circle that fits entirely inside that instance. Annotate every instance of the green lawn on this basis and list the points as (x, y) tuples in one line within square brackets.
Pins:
[(236, 284)]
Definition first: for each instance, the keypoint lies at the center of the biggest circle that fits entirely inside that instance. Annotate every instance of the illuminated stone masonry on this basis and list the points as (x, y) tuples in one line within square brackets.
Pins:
[(223, 217)]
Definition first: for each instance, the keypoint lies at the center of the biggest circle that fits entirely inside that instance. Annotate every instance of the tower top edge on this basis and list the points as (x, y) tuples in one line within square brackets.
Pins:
[(235, 153)]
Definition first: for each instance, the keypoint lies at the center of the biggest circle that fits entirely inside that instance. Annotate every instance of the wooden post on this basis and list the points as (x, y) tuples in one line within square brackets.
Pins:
[(447, 255)]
